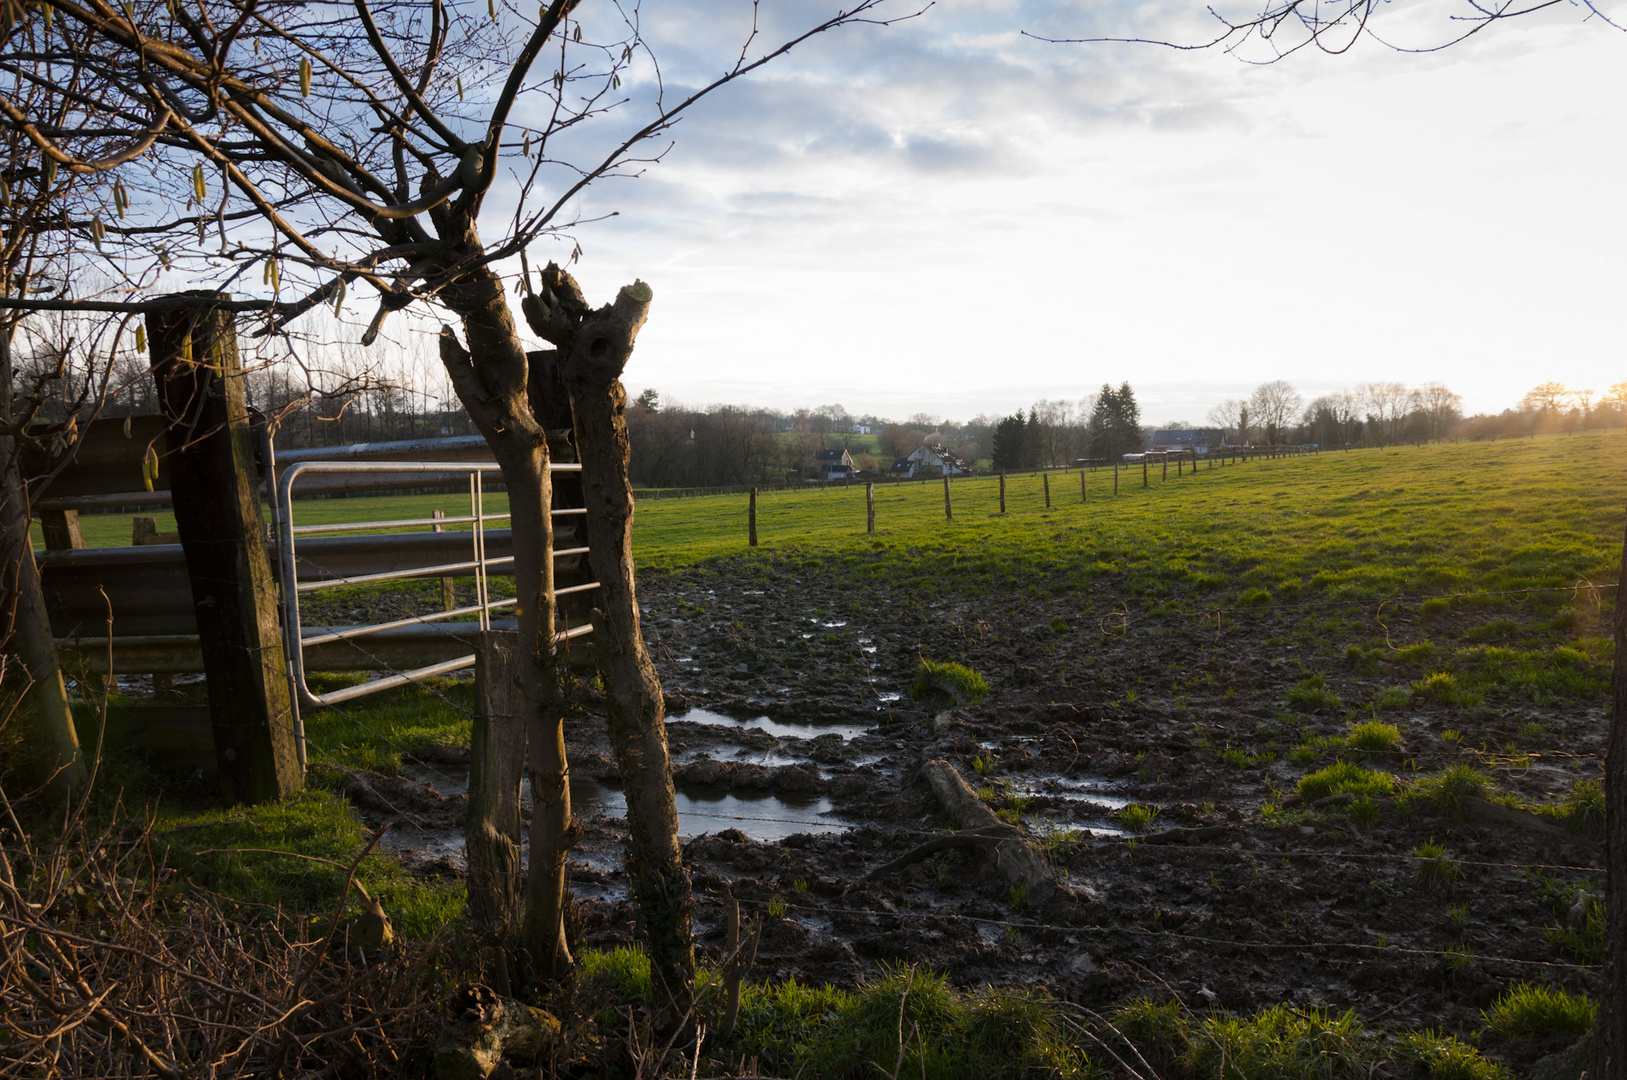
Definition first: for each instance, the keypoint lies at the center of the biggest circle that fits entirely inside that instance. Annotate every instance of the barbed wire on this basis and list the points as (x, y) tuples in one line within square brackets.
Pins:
[(1452, 956)]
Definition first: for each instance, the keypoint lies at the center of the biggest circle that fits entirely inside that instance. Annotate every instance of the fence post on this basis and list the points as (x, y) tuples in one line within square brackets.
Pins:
[(870, 507), (948, 512), (216, 492), (1144, 482), (1047, 477), (1084, 492), (448, 596), (1002, 493), (491, 825), (1165, 475), (1115, 477), (751, 519), (1180, 468), (61, 529)]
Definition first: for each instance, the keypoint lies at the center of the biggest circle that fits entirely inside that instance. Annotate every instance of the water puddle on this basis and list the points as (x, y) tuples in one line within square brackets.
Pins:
[(1084, 789), (762, 817), (779, 729)]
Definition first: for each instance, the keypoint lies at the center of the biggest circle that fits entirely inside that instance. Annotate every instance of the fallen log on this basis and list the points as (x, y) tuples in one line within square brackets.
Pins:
[(1013, 855), (985, 838)]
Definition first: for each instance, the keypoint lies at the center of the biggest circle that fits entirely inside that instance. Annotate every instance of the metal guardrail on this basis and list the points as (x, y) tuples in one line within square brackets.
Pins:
[(296, 641)]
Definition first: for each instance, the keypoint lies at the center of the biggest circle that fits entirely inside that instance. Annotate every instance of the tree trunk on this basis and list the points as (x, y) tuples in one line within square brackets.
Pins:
[(25, 625), (593, 351), (1613, 1009), (25, 637), (491, 379)]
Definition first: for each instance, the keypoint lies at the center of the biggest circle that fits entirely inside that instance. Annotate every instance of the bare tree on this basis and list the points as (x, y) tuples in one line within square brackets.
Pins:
[(1234, 416), (325, 146), (1546, 398), (1442, 406), (1273, 406)]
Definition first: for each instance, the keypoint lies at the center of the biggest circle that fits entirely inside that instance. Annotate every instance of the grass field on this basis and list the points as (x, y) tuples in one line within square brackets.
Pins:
[(1437, 519), (1362, 525)]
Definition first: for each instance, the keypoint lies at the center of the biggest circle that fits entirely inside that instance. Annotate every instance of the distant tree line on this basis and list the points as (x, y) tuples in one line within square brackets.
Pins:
[(1385, 413), (345, 399), (1059, 433)]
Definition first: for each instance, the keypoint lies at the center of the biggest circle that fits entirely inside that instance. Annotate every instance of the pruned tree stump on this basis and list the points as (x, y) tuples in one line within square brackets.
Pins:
[(1013, 855), (487, 1029)]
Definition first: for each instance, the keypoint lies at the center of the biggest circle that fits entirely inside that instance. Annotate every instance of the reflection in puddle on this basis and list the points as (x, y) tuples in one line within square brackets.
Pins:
[(1074, 788), (762, 817), (776, 728)]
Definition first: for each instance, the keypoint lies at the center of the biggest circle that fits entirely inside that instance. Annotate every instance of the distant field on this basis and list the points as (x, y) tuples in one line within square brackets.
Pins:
[(1365, 524)]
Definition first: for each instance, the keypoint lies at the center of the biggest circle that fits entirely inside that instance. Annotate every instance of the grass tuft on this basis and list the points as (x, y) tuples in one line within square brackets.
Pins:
[(1435, 870), (1446, 1057), (1344, 777), (1526, 1011), (1447, 790), (1313, 696), (1375, 736), (1137, 816), (950, 680)]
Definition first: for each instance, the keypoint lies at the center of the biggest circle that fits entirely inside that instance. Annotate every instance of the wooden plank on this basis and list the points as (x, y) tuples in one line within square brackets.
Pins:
[(210, 460), (61, 529)]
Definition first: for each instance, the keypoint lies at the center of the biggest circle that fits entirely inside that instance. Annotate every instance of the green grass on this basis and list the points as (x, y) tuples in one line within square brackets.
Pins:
[(1284, 1043), (379, 731), (1313, 696), (1583, 808), (1137, 817), (1528, 1011), (1434, 868), (907, 1015), (1375, 736), (1446, 1057), (232, 852), (1344, 777), (1469, 518), (1446, 790), (948, 681)]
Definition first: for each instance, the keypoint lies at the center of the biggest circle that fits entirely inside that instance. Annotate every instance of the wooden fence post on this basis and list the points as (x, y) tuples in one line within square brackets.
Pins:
[(210, 458), (61, 529), (448, 594), (751, 519), (1084, 492), (870, 507), (948, 511), (1047, 478), (491, 825), (1002, 493), (1165, 476), (1144, 482), (1115, 477), (1180, 467)]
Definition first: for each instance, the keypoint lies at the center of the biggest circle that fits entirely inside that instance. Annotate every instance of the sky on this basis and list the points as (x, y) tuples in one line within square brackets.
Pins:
[(947, 216)]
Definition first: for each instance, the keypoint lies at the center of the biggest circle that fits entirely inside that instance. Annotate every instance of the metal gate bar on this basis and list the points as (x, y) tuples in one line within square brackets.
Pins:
[(296, 641)]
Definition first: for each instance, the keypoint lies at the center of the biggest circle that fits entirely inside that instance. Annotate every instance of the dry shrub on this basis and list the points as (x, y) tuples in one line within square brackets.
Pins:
[(111, 965)]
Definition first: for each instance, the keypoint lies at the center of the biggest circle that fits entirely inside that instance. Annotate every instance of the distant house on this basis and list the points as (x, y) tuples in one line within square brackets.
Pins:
[(1197, 440), (833, 465), (930, 459), (861, 429)]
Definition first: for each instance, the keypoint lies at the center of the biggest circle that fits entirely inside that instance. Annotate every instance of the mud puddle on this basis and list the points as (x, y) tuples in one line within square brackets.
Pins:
[(778, 728), (765, 817)]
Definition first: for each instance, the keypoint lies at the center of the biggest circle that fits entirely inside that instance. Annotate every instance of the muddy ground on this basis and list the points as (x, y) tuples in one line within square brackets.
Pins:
[(1215, 902)]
